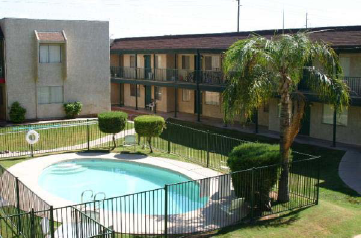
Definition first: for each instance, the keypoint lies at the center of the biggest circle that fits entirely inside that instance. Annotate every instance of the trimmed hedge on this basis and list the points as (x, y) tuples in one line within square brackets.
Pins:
[(112, 122), (253, 155), (17, 113), (72, 110), (149, 126)]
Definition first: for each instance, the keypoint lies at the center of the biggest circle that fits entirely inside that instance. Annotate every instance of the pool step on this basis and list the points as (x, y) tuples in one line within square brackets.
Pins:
[(67, 168)]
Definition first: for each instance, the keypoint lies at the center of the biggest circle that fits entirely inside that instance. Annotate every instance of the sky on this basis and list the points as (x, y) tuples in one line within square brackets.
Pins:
[(132, 18)]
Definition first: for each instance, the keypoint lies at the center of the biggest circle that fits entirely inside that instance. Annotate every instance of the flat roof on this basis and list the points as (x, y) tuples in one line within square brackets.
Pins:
[(338, 37)]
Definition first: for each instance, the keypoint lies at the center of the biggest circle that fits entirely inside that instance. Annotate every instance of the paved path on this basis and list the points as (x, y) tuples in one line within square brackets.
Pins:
[(350, 169)]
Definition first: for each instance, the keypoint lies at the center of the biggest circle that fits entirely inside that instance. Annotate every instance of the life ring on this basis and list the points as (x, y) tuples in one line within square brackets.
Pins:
[(32, 137)]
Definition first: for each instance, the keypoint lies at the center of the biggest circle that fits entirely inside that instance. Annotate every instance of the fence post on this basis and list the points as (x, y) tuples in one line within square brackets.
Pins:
[(17, 190), (52, 231), (318, 179), (168, 140), (32, 223), (87, 133), (166, 210), (32, 150), (252, 194), (208, 136)]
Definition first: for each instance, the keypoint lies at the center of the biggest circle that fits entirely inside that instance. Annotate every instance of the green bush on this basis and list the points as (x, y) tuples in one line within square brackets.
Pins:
[(112, 122), (72, 110), (17, 113), (254, 155), (149, 126)]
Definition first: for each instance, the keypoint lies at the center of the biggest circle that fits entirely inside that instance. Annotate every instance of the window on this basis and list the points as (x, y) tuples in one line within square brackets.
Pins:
[(208, 62), (186, 62), (132, 61), (186, 95), (212, 98), (50, 53), (158, 93), (327, 115), (50, 94), (132, 90)]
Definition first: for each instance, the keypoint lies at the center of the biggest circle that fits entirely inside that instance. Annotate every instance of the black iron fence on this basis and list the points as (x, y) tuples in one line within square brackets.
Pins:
[(56, 137), (183, 208)]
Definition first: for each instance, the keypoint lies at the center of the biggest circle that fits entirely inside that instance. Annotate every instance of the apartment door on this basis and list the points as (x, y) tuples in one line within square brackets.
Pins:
[(306, 121), (195, 102), (147, 67), (148, 94)]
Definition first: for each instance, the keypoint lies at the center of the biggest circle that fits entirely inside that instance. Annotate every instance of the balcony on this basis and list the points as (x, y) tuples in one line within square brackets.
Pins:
[(354, 84), (168, 75)]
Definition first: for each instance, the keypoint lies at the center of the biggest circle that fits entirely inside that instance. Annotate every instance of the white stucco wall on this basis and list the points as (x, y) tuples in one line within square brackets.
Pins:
[(88, 79)]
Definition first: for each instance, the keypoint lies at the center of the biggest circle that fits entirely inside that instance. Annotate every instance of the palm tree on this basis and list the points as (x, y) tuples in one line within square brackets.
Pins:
[(259, 69)]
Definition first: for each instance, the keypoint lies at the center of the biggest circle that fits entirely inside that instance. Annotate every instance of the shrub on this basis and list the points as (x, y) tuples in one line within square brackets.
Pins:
[(72, 110), (149, 126), (112, 122), (17, 113), (254, 155)]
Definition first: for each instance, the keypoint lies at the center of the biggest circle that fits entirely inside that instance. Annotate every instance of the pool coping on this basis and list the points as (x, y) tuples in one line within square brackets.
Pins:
[(29, 171)]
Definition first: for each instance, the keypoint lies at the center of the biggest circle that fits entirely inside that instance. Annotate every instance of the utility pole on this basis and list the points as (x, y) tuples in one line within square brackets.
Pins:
[(238, 15), (283, 21), (306, 20)]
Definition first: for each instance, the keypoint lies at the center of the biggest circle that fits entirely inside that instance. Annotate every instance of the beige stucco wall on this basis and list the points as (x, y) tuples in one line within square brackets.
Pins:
[(187, 107), (263, 117), (349, 134), (114, 60), (355, 63), (115, 93), (274, 120), (214, 111), (87, 59), (129, 101)]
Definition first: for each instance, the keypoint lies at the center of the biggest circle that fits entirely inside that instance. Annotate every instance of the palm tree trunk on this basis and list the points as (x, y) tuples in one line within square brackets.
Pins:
[(285, 129)]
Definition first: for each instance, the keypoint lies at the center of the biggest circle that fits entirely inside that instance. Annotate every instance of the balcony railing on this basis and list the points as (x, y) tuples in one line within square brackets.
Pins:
[(354, 84), (170, 75)]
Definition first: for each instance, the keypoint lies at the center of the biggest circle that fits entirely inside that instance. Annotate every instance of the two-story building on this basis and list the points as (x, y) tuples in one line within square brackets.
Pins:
[(183, 73), (45, 63)]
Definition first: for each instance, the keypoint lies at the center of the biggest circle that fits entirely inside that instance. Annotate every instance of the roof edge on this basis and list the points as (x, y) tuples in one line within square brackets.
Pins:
[(246, 33)]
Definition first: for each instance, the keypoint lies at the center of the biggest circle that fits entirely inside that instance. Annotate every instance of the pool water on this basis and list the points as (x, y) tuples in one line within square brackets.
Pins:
[(117, 178)]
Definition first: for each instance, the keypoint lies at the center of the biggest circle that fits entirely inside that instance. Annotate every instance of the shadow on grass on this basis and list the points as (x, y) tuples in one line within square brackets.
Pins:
[(286, 219), (330, 157)]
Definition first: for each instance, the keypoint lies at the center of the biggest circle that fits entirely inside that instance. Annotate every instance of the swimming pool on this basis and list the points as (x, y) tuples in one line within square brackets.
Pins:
[(69, 179)]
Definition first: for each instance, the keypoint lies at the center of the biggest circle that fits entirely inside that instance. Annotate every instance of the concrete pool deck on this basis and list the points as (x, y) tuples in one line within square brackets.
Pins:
[(29, 171)]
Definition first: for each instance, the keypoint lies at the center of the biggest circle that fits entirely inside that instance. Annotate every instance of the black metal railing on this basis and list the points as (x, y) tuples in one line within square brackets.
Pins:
[(65, 222), (171, 75), (56, 137), (354, 84), (206, 204), (183, 208)]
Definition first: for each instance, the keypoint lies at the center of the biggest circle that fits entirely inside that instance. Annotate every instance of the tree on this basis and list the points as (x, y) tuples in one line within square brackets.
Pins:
[(260, 68), (112, 122), (149, 126)]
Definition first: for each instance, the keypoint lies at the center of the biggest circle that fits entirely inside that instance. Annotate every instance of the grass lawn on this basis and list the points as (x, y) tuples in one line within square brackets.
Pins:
[(337, 215), (12, 139)]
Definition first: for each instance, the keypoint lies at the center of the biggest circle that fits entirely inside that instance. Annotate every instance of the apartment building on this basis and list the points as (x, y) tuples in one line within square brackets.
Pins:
[(45, 63), (183, 74)]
